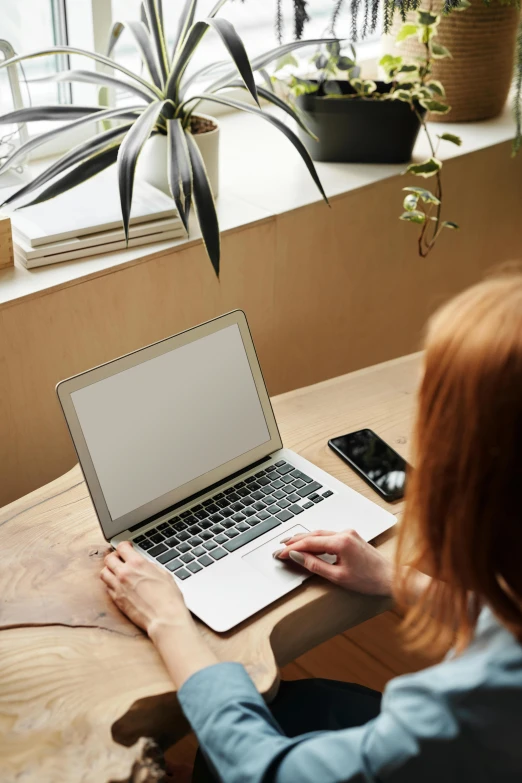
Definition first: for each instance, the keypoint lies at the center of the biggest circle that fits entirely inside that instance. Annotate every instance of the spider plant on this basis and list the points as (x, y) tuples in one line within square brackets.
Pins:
[(165, 101)]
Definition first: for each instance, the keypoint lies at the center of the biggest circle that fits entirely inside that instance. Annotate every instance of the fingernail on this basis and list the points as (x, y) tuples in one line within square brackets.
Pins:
[(284, 540), (276, 554), (297, 557)]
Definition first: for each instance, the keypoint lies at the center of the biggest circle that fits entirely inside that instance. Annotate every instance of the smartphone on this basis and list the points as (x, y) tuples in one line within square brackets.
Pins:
[(374, 461)]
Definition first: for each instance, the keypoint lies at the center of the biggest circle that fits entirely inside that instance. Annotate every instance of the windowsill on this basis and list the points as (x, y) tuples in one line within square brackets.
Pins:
[(262, 176)]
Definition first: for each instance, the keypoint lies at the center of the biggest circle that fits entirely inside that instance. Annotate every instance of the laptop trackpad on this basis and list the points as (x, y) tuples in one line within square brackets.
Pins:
[(282, 572)]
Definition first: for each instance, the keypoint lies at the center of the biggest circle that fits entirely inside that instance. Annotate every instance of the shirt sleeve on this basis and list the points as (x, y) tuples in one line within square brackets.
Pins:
[(243, 742)]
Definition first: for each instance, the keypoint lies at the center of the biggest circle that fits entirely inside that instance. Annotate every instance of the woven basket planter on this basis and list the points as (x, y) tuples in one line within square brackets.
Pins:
[(478, 76)]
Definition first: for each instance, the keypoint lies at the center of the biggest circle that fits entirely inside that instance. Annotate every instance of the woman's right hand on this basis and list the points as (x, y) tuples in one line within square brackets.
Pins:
[(358, 566)]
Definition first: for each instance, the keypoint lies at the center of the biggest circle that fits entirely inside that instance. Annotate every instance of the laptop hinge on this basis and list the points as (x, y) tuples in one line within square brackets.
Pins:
[(191, 498)]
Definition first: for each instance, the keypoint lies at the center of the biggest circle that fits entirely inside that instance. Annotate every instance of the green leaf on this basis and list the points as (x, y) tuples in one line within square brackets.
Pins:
[(451, 137), (406, 31), (450, 224), (410, 202), (157, 37), (425, 195), (390, 64), (435, 106), (130, 148), (345, 64), (334, 48), (204, 203), (436, 87), (331, 87), (185, 22), (402, 95), (426, 169), (236, 49), (427, 19), (414, 217), (408, 68), (462, 5), (179, 170), (439, 52), (287, 59)]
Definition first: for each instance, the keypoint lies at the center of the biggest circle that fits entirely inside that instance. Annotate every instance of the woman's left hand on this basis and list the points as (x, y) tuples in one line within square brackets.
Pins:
[(147, 594)]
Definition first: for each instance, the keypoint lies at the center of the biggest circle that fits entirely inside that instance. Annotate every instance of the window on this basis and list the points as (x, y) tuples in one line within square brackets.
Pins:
[(30, 25)]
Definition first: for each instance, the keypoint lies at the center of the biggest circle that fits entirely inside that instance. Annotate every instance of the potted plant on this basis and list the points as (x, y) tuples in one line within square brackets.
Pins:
[(359, 120), (164, 106), (483, 40)]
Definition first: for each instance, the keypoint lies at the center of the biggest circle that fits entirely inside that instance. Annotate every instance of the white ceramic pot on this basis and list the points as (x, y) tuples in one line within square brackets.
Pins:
[(152, 163)]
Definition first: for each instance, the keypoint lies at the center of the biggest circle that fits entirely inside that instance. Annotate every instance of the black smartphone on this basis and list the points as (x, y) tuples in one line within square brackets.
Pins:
[(376, 462)]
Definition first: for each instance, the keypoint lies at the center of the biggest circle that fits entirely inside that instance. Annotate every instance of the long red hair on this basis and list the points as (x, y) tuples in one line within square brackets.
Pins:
[(463, 517)]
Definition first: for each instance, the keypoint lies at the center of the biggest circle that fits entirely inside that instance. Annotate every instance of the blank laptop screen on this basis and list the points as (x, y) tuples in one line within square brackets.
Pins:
[(156, 426)]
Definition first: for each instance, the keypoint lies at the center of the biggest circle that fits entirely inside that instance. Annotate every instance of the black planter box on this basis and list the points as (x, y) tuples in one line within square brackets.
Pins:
[(358, 130)]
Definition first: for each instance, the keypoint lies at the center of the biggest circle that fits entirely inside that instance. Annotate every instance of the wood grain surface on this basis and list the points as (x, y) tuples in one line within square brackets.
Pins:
[(79, 685)]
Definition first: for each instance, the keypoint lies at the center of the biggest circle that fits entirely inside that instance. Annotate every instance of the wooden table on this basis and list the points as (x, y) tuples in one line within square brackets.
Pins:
[(79, 685)]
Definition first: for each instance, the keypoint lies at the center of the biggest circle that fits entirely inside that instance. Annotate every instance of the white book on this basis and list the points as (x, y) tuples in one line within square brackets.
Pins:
[(175, 233), (88, 208), (93, 240)]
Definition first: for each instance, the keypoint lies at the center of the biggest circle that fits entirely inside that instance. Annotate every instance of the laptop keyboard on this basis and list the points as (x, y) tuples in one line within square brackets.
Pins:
[(195, 539)]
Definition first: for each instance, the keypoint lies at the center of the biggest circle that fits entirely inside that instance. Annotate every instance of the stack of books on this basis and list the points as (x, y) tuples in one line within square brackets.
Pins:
[(86, 221)]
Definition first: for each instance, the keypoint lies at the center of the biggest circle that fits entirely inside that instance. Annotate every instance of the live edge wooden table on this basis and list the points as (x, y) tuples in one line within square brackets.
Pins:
[(80, 687)]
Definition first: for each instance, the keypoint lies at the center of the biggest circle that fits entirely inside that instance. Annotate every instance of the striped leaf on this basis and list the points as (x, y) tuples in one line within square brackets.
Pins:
[(179, 170), (204, 203)]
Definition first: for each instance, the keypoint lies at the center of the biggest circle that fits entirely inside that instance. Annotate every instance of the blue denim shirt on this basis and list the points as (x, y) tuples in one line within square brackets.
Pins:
[(457, 722)]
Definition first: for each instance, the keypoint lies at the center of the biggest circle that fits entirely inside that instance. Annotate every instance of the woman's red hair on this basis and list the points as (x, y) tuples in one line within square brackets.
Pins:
[(463, 518)]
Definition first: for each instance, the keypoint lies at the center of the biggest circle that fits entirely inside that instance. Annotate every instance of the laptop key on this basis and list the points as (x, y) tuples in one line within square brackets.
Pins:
[(212, 509), (283, 503), (193, 529), (280, 463), (277, 484), (234, 497), (187, 558), (195, 541), (293, 498), (184, 547), (257, 495), (220, 538), (308, 505), (163, 526), (182, 573), (295, 509), (254, 521), (146, 545), (185, 514), (273, 509), (205, 524), (263, 514), (256, 485), (158, 549), (327, 494), (242, 526), (299, 483), (210, 545), (279, 494), (273, 475), (227, 523), (184, 535), (313, 487), (226, 512), (318, 499), (264, 480), (238, 517), (232, 533), (248, 512), (195, 567), (298, 474), (288, 490), (216, 517), (237, 506), (139, 539), (166, 556), (243, 492), (173, 541), (217, 529), (169, 531), (287, 480), (285, 515), (206, 535), (205, 560), (156, 537), (259, 505), (217, 554), (266, 491), (284, 469), (250, 535), (198, 551), (223, 503), (174, 565)]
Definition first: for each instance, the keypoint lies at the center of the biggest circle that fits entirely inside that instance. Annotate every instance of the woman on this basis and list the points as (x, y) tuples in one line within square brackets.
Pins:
[(458, 721)]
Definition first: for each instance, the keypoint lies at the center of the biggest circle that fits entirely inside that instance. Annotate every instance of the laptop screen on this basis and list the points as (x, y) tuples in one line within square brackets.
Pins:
[(158, 425)]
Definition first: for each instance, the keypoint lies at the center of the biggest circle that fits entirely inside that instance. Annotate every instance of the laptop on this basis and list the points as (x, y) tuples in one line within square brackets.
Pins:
[(182, 456)]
